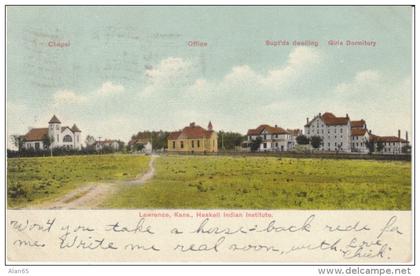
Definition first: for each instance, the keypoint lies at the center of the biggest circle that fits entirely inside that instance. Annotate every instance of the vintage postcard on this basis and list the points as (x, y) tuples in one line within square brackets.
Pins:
[(209, 134)]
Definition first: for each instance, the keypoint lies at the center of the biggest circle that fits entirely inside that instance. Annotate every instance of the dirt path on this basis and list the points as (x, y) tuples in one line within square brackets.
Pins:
[(89, 196)]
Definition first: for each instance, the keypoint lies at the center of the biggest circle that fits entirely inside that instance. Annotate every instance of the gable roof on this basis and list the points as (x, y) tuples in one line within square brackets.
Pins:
[(64, 127), (269, 129), (54, 120), (36, 134), (191, 132), (330, 119), (174, 135), (360, 123), (358, 131), (138, 141), (375, 138)]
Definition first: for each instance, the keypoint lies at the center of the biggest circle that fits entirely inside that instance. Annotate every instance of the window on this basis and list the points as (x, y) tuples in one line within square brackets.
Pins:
[(192, 143), (57, 128), (341, 130), (57, 138), (67, 138), (265, 137), (198, 143), (77, 138), (182, 144), (265, 145), (37, 146), (173, 144)]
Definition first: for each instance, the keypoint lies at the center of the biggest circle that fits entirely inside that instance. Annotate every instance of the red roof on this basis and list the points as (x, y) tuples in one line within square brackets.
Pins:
[(360, 123), (174, 135), (330, 119), (358, 132), (191, 132), (375, 138), (269, 129), (36, 134)]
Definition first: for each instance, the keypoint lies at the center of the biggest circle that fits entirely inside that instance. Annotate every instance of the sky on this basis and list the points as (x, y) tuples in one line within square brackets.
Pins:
[(127, 69)]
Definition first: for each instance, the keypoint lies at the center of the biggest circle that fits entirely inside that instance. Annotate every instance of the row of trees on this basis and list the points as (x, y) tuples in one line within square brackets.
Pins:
[(229, 140), (158, 139), (315, 141)]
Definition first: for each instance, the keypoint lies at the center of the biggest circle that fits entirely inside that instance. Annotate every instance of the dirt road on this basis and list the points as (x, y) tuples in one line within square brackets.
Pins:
[(90, 196)]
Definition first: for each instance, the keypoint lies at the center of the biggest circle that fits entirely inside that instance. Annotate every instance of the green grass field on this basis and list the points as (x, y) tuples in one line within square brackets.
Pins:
[(270, 183), (34, 180)]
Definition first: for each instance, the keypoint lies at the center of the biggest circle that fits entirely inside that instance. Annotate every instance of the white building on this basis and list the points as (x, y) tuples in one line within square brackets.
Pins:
[(359, 136), (273, 138), (107, 144), (389, 144), (57, 135), (335, 132), (342, 134)]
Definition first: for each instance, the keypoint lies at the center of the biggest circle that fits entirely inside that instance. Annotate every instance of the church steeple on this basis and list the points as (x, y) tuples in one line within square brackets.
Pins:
[(54, 120), (210, 126)]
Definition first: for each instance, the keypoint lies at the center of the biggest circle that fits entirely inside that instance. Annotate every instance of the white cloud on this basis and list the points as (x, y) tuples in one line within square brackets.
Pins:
[(385, 103), (363, 81), (65, 96), (108, 88), (300, 60)]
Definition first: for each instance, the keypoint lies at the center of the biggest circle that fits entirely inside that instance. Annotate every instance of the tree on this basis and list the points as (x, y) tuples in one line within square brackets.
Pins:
[(370, 146), (406, 149), (316, 142), (255, 144), (139, 147), (90, 141), (229, 140), (379, 146), (47, 141), (302, 140), (18, 141)]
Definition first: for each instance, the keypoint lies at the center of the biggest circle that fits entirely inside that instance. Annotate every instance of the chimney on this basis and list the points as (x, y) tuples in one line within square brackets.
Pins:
[(370, 131), (275, 126), (399, 134), (347, 115), (307, 120), (192, 124), (319, 114), (406, 136)]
